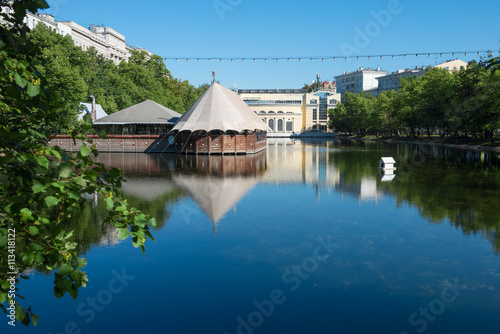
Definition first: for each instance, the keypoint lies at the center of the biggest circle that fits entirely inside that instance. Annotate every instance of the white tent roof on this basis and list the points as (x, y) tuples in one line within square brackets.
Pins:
[(147, 112), (220, 109)]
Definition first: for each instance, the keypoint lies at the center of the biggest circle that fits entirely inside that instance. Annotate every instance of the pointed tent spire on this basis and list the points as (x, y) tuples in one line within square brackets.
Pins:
[(220, 109)]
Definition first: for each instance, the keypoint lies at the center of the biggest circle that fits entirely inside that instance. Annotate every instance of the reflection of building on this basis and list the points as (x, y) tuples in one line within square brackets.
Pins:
[(368, 189), (300, 162), (311, 162), (291, 110)]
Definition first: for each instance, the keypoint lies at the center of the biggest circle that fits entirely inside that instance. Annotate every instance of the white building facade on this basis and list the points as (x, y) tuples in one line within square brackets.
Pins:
[(362, 80), (107, 41), (391, 81)]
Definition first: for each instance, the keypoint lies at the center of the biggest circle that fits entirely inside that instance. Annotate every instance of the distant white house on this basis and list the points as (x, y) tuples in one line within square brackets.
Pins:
[(86, 108)]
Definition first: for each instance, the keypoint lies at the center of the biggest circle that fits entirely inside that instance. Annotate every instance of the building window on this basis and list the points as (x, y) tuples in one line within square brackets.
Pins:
[(271, 124), (289, 126), (315, 114), (314, 102), (280, 125)]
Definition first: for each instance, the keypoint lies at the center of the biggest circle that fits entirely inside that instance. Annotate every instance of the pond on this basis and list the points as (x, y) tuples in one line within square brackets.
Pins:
[(306, 237)]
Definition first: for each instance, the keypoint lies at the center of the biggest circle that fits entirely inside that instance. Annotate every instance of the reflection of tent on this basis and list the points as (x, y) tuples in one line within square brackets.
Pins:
[(220, 122), (146, 188), (215, 195)]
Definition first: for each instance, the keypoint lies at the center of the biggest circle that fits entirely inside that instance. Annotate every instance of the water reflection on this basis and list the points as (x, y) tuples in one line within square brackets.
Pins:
[(446, 185), (386, 264), (218, 183)]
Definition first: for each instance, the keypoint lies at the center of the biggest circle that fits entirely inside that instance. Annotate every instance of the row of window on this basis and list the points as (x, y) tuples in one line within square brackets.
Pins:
[(272, 112), (273, 102), (350, 79), (278, 126)]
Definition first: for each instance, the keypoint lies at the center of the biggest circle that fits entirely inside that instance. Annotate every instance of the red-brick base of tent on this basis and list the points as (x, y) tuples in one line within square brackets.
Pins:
[(218, 142)]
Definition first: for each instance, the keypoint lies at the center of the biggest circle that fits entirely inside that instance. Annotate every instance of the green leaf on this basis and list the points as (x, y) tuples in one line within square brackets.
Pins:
[(33, 230), (38, 187), (123, 233), (109, 203), (65, 171), (135, 242), (20, 81), (81, 182), (87, 119), (39, 258), (121, 208), (26, 214), (34, 319), (153, 222), (36, 247), (69, 235), (140, 220), (3, 241), (63, 283), (33, 90), (82, 263), (85, 151), (150, 236), (42, 161), (65, 269), (70, 245), (103, 134), (57, 185), (51, 201)]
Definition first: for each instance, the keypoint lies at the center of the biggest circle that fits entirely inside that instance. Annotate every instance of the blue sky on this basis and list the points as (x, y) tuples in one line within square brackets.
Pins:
[(292, 28)]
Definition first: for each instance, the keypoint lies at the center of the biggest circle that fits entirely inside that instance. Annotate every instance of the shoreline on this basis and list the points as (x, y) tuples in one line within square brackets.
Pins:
[(399, 141)]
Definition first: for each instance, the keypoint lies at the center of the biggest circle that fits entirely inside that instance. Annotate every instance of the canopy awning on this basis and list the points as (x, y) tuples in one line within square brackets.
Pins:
[(147, 112)]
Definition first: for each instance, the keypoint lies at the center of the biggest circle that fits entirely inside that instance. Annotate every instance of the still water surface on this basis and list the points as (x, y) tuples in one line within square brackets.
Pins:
[(304, 238)]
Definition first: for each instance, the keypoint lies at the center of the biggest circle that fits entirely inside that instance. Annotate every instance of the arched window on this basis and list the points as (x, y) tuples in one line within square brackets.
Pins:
[(280, 125), (271, 124), (271, 112), (280, 112), (262, 112)]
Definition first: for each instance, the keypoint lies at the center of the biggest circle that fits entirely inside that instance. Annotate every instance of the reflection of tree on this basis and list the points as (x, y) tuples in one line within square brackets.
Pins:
[(444, 184), (157, 208)]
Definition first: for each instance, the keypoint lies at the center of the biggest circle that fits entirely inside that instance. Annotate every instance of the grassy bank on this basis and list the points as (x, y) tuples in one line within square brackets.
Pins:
[(461, 142)]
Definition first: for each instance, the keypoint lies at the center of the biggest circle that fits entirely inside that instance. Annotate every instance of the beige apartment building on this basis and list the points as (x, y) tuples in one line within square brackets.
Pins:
[(107, 41), (453, 65), (291, 110)]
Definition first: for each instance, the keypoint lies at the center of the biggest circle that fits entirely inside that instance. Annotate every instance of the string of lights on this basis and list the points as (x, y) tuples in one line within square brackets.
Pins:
[(324, 58)]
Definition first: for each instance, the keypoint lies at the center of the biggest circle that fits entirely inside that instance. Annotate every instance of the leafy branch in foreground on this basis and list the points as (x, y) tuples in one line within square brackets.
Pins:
[(43, 188)]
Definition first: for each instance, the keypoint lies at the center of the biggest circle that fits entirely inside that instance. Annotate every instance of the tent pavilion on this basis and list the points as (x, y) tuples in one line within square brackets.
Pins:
[(220, 122), (145, 118)]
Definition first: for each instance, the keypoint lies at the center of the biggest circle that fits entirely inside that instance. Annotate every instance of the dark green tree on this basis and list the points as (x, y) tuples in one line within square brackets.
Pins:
[(42, 188)]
